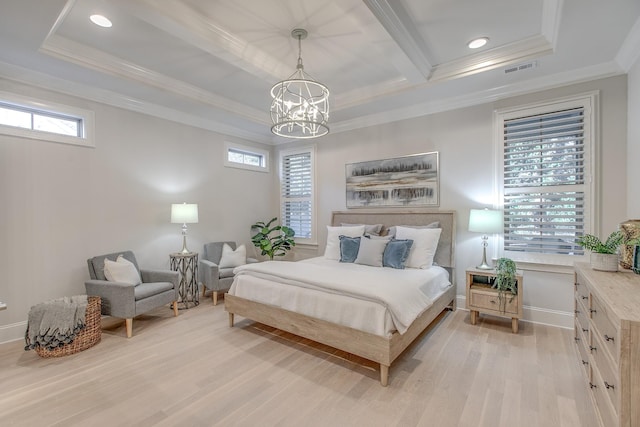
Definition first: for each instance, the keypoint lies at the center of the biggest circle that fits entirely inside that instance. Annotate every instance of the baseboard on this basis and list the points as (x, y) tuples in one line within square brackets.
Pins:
[(544, 316), (12, 332)]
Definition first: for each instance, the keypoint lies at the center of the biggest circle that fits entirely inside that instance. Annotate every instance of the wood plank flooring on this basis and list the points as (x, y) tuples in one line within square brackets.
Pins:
[(194, 370)]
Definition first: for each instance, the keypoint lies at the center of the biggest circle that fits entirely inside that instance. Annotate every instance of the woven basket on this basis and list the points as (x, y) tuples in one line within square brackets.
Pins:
[(89, 336)]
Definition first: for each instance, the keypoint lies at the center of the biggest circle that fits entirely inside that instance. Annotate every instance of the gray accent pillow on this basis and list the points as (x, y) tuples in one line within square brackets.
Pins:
[(396, 253), (392, 230), (349, 248), (370, 252), (372, 229)]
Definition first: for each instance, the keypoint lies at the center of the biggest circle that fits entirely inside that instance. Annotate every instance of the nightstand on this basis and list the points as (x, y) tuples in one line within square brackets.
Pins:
[(482, 298), (187, 265)]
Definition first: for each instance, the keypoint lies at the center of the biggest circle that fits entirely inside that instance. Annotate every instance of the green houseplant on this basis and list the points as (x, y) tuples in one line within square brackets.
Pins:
[(505, 282), (604, 255), (273, 241)]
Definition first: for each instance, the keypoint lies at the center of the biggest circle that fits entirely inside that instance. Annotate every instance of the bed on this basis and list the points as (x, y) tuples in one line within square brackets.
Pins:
[(382, 344)]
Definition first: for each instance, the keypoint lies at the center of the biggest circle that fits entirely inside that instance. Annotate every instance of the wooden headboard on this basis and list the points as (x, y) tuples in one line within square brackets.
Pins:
[(445, 254)]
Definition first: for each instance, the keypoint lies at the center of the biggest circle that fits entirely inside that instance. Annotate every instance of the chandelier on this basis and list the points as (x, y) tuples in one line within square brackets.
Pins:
[(300, 106)]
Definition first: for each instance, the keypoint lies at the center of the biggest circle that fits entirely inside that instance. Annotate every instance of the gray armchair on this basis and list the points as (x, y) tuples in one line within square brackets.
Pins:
[(158, 287), (210, 275)]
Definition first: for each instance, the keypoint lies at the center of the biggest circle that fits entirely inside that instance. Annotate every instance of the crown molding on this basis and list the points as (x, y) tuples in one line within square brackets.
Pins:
[(87, 57), (481, 97), (78, 90), (629, 52), (397, 22)]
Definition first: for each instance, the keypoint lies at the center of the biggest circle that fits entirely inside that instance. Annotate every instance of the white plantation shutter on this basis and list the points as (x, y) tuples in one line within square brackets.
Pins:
[(297, 192), (545, 180)]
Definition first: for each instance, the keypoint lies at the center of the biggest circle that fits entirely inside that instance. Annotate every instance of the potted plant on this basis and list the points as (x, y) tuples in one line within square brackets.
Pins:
[(505, 281), (272, 241), (604, 255)]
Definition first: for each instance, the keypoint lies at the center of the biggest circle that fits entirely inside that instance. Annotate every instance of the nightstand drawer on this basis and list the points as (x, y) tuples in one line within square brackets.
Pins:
[(607, 412), (489, 300), (582, 316), (582, 292), (603, 327)]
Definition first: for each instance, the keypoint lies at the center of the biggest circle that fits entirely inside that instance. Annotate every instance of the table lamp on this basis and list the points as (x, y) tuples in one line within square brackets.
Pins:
[(184, 213), (486, 221)]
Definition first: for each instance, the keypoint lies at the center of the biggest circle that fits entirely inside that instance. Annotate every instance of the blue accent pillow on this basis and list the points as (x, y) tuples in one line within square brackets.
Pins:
[(396, 253), (349, 247)]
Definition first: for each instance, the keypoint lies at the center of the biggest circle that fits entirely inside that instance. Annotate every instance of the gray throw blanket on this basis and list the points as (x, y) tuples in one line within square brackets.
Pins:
[(54, 323)]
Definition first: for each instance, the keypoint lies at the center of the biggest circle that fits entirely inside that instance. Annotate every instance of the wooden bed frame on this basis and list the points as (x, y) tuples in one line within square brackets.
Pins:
[(383, 350)]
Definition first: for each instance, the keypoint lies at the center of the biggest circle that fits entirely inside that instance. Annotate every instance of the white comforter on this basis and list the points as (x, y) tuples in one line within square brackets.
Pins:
[(405, 293)]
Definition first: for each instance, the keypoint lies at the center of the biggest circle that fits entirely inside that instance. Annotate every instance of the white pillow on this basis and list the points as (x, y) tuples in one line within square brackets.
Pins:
[(425, 243), (332, 250), (121, 270), (231, 258)]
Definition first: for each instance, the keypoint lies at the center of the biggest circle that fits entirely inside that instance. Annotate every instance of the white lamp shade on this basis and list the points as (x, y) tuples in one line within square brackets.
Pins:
[(486, 221), (184, 213)]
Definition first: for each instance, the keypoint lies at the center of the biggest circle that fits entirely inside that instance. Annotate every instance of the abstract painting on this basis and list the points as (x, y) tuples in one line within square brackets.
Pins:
[(402, 181)]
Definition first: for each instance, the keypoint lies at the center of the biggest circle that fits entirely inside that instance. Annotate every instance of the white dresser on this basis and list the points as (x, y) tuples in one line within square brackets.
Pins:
[(607, 334)]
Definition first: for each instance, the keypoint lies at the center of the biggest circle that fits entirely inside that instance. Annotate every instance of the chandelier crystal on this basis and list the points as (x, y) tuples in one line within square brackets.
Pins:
[(300, 106)]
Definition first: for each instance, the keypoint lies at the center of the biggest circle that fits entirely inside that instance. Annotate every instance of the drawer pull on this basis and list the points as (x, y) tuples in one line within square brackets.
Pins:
[(585, 330), (584, 362), (577, 339), (583, 297), (592, 310), (609, 386), (577, 311), (592, 348), (608, 338), (592, 385)]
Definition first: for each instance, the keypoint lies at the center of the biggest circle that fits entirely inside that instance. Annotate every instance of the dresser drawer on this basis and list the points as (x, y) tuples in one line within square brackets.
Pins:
[(582, 316), (604, 407), (608, 371), (581, 290), (583, 349), (488, 300), (604, 328)]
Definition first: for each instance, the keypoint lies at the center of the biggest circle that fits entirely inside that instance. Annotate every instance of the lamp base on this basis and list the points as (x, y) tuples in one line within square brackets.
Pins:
[(484, 265)]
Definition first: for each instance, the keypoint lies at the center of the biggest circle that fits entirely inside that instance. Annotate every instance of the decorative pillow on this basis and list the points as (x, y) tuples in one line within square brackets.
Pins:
[(332, 250), (231, 258), (396, 253), (425, 243), (370, 252), (349, 248), (121, 270), (392, 230), (371, 229)]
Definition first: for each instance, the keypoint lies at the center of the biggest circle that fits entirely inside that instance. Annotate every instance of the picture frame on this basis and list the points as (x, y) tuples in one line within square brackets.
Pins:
[(408, 181)]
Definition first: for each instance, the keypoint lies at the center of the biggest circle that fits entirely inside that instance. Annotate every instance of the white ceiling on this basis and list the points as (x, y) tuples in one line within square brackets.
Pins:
[(212, 63)]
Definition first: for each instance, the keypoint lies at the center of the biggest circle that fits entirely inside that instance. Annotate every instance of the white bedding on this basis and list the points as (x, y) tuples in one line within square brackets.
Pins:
[(372, 299)]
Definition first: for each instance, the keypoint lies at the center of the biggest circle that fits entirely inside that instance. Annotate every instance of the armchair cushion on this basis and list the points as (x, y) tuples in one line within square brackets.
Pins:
[(146, 290), (226, 272), (121, 270)]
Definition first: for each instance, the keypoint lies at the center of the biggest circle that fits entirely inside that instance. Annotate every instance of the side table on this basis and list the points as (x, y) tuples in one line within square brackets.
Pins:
[(187, 265), (482, 298)]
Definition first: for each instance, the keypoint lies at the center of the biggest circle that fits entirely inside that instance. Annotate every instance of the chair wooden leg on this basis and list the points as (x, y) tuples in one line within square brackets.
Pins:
[(129, 324), (204, 290), (175, 308), (215, 297)]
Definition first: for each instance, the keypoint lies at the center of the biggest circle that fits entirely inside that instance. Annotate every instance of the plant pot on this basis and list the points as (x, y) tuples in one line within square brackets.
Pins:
[(604, 262)]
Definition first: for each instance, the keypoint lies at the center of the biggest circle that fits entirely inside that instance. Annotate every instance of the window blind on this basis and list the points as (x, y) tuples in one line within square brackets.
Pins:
[(297, 193), (544, 182)]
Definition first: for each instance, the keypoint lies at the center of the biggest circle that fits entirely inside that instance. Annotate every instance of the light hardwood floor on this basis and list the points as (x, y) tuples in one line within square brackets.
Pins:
[(194, 370)]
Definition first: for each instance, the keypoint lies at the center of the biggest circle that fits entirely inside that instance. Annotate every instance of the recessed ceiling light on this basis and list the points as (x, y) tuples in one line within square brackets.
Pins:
[(101, 21), (476, 43)]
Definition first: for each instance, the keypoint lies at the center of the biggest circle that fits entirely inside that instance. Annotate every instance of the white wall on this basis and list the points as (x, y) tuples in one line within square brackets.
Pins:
[(633, 143), (464, 139), (62, 204)]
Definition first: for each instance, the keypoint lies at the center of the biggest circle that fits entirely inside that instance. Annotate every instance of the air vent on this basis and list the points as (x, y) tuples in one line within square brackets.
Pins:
[(521, 67)]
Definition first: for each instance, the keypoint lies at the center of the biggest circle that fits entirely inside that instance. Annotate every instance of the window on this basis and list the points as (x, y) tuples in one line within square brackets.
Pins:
[(44, 121), (297, 192), (242, 157), (545, 153)]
